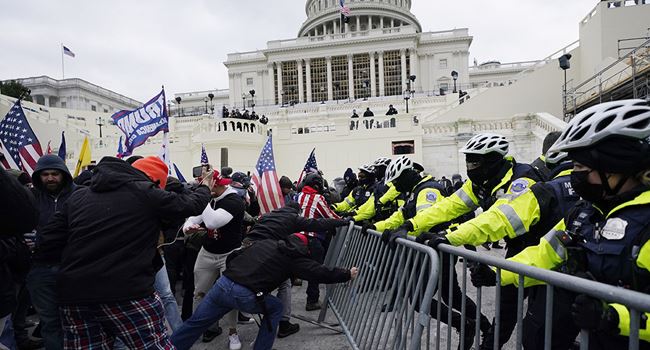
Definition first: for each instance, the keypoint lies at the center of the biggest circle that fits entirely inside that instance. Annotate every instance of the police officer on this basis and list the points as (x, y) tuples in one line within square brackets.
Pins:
[(359, 194), (608, 231), (523, 218), (492, 175), (383, 202)]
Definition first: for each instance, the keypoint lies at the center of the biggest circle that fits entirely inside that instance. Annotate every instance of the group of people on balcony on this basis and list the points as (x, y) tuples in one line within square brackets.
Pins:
[(354, 124), (236, 114)]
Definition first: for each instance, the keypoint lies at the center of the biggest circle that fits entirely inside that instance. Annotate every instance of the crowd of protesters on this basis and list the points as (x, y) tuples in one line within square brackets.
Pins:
[(100, 256), (246, 115)]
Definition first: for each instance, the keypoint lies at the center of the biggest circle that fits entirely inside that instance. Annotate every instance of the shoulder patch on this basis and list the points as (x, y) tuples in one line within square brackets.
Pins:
[(518, 186), (431, 197)]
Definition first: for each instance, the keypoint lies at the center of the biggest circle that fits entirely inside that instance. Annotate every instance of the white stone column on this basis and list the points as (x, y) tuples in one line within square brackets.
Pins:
[(402, 53), (369, 22), (373, 82), (270, 95), (392, 23), (351, 76), (330, 95), (308, 69), (335, 26), (414, 67), (347, 28), (382, 90), (231, 87), (381, 22), (280, 93), (301, 89), (324, 28), (358, 23)]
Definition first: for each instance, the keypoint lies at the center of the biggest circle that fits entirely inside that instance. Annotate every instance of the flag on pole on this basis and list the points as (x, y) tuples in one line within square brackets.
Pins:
[(19, 143), (140, 124), (84, 157), (345, 12), (163, 154), (120, 149), (179, 176), (266, 181), (49, 147), (68, 52), (62, 149), (310, 166), (204, 156)]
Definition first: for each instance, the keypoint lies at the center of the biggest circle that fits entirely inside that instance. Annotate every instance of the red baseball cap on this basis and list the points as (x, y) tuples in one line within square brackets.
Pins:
[(220, 180)]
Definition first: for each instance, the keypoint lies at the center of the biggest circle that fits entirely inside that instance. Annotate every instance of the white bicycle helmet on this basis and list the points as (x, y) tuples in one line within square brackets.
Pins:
[(618, 118), (381, 161), (556, 157), (367, 168), (397, 167), (486, 143)]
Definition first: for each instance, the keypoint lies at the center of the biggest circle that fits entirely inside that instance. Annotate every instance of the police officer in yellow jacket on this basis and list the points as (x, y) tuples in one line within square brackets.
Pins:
[(359, 194), (378, 206), (524, 218), (607, 234)]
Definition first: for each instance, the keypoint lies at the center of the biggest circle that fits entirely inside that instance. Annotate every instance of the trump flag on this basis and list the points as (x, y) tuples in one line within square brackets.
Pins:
[(140, 124)]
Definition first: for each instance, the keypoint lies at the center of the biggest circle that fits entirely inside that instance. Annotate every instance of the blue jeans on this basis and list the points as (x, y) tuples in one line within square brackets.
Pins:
[(7, 333), (223, 297), (41, 282), (162, 287)]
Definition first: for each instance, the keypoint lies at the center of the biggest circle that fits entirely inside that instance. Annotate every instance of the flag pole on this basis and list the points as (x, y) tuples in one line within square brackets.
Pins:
[(62, 64)]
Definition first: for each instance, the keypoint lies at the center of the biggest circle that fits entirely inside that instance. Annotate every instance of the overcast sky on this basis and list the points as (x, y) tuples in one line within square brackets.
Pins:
[(134, 47)]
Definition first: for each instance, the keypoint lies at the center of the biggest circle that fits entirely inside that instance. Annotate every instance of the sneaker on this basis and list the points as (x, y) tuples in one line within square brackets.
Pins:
[(312, 306), (235, 344), (287, 328), (209, 335), (244, 319)]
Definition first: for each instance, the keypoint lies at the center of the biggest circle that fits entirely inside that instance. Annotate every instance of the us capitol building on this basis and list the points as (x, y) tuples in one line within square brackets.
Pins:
[(309, 86)]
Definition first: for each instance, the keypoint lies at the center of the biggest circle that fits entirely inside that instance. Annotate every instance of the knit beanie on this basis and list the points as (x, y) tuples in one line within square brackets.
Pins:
[(155, 168)]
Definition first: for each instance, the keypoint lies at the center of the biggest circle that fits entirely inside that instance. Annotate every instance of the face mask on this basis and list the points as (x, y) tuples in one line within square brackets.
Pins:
[(588, 191), (479, 175)]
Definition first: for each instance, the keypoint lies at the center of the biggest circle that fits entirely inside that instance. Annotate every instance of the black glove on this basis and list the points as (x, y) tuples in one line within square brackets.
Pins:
[(390, 236), (423, 237), (347, 219), (366, 227), (342, 222), (593, 314), (438, 239), (483, 276)]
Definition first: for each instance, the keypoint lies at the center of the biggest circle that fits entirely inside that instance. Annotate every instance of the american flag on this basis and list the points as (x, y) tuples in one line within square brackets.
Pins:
[(204, 156), (68, 52), (266, 181), (19, 143), (345, 11), (310, 166)]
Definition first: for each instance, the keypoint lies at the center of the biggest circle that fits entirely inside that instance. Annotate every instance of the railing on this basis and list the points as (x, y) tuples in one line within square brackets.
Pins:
[(614, 75), (380, 308)]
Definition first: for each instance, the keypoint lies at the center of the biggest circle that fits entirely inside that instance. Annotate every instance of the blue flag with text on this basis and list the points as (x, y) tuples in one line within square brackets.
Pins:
[(140, 124)]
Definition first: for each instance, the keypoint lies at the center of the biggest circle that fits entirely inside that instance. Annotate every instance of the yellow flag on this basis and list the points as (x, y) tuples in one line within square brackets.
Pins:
[(84, 157)]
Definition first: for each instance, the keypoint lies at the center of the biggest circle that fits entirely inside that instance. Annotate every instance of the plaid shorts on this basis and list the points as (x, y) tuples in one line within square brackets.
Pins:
[(138, 323)]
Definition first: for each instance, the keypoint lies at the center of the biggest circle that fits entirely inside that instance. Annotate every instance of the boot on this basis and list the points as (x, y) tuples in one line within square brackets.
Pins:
[(313, 306), (470, 331), (287, 328)]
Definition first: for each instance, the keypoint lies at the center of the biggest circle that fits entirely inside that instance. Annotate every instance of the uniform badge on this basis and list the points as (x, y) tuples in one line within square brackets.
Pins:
[(518, 186), (431, 197), (614, 229), (367, 194)]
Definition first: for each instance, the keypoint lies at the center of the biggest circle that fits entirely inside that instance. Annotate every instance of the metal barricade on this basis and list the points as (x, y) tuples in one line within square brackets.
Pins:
[(380, 308), (636, 302)]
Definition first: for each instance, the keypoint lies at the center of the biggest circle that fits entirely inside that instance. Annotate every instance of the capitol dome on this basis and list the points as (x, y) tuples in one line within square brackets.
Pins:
[(323, 16)]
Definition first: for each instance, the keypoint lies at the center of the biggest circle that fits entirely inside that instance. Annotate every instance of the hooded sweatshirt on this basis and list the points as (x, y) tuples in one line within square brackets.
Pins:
[(105, 235)]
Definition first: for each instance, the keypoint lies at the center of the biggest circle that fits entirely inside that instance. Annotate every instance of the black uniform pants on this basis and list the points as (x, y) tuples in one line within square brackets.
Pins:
[(564, 331)]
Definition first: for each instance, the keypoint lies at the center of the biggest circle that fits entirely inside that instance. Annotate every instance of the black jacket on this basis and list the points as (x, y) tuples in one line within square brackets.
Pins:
[(19, 214), (48, 203), (262, 266), (108, 232), (282, 222)]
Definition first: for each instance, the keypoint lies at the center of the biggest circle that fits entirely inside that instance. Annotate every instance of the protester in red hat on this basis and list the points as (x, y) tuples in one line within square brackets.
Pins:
[(223, 219), (105, 237)]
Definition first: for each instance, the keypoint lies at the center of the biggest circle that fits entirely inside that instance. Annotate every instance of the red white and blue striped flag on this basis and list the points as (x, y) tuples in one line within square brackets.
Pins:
[(345, 11), (310, 166), (265, 178), (204, 156), (19, 143)]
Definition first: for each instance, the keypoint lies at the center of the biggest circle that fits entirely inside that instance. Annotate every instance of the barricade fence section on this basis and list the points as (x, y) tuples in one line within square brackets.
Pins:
[(380, 308)]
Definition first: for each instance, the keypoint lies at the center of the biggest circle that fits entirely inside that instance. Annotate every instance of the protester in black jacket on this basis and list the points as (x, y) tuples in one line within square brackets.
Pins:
[(252, 273), (105, 237), (18, 214), (278, 225)]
